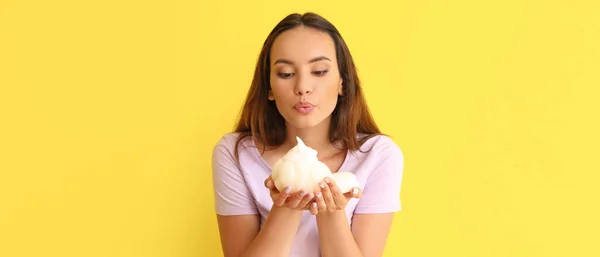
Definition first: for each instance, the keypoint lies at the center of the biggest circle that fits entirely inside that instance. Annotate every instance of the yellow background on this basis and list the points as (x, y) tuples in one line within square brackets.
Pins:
[(109, 111)]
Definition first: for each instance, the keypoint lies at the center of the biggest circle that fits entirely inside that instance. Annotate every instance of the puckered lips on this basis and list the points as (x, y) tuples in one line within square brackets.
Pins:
[(304, 107)]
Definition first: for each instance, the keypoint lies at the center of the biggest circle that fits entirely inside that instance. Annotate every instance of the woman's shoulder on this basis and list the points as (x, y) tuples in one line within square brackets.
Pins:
[(228, 142), (380, 145), (229, 139)]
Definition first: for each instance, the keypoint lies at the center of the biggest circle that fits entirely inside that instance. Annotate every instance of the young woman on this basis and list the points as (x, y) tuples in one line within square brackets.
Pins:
[(305, 84)]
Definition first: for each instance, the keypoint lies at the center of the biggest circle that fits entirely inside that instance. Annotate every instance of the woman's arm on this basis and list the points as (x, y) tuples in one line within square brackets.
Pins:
[(371, 232), (240, 235), (335, 236), (237, 233), (238, 217), (366, 238), (374, 213)]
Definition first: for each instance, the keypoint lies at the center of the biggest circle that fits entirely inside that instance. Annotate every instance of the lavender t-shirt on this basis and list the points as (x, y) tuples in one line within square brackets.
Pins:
[(239, 189)]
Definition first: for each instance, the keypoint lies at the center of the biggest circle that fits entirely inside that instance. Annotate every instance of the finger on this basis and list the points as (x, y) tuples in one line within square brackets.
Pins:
[(354, 193), (336, 194), (312, 198), (304, 204), (283, 196), (327, 196), (295, 199), (314, 208), (321, 206), (357, 192), (268, 182), (271, 186)]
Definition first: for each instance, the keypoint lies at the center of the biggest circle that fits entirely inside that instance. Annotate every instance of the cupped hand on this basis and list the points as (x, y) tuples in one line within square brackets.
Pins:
[(331, 199), (298, 201)]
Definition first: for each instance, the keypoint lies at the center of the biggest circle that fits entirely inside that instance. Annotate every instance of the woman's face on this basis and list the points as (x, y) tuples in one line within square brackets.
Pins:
[(305, 80)]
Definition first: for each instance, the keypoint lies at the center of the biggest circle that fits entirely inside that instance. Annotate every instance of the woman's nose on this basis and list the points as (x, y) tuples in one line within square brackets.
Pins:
[(303, 91), (303, 86)]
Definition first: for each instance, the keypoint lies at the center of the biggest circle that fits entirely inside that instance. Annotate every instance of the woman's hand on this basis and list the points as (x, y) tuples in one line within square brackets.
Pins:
[(298, 201), (331, 199)]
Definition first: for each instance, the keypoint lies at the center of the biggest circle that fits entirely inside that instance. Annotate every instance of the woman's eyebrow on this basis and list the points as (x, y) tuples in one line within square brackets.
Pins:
[(316, 59), (320, 58)]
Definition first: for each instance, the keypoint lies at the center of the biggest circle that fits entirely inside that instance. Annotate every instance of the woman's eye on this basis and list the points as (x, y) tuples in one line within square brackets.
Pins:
[(320, 72), (284, 75)]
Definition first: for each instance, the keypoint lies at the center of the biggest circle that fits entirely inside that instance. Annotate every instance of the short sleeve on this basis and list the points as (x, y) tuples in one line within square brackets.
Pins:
[(231, 193), (381, 193)]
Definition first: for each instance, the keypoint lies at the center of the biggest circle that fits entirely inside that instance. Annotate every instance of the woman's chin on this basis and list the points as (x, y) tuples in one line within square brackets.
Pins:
[(305, 123)]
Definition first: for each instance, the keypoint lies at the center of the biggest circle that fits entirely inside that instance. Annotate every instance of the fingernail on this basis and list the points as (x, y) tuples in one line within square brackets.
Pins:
[(355, 191), (321, 185), (269, 183), (310, 196), (288, 189), (327, 180), (314, 205), (319, 195), (302, 193)]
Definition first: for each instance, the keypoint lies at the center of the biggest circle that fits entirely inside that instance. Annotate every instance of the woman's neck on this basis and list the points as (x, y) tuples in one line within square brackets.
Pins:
[(316, 137)]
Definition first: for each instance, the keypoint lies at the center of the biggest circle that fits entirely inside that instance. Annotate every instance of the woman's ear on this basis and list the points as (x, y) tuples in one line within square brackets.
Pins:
[(341, 87), (271, 95)]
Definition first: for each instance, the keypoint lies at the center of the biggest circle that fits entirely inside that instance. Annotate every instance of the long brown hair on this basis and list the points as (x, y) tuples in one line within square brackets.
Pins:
[(260, 117)]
